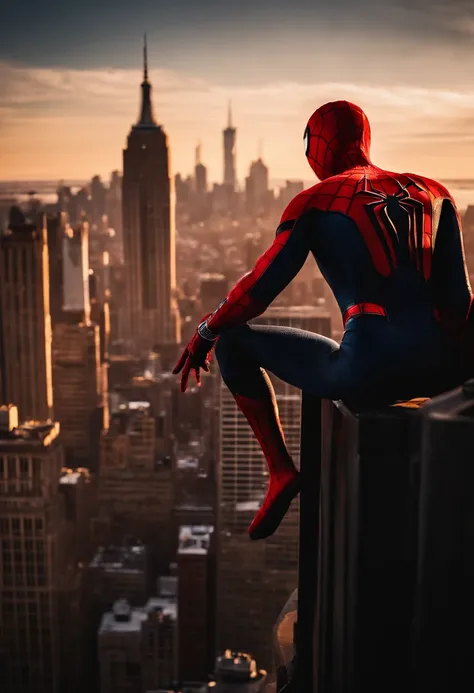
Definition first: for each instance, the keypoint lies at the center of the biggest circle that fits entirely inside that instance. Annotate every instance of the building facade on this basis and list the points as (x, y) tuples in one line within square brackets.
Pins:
[(39, 590), (136, 489), (25, 321), (137, 647), (196, 601)]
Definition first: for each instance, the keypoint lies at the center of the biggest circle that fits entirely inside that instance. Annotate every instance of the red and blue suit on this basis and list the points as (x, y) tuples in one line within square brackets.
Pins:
[(390, 247)]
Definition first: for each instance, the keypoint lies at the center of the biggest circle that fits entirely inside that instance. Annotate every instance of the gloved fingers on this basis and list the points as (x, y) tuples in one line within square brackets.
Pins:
[(197, 375), (181, 362), (206, 365), (185, 375)]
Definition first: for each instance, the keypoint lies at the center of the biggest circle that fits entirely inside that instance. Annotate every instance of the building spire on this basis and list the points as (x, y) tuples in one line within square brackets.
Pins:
[(145, 59), (146, 119), (198, 154), (229, 115)]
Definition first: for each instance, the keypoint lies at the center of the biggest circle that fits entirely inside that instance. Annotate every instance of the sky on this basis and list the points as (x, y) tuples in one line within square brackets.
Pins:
[(70, 78)]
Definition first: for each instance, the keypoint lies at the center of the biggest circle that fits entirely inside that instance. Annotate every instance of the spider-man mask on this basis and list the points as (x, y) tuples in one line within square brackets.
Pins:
[(337, 138)]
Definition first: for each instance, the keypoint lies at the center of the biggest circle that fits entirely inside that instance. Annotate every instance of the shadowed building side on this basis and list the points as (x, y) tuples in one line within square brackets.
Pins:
[(25, 320)]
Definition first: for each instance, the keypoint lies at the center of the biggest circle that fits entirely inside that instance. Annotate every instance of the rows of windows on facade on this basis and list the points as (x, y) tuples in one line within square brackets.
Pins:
[(125, 563)]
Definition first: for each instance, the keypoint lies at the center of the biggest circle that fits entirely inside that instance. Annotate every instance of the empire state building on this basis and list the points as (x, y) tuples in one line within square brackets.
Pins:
[(149, 230)]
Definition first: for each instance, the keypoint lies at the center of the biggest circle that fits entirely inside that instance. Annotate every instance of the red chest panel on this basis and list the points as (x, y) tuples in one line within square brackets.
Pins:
[(367, 196)]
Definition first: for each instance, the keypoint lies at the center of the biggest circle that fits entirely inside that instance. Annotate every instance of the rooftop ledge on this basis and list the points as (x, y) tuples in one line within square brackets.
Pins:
[(387, 554)]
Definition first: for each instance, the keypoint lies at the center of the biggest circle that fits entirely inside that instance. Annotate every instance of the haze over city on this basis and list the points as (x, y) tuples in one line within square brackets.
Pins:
[(69, 82)]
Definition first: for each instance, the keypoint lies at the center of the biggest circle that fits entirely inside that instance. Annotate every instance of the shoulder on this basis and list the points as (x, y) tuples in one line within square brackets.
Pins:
[(323, 196), (433, 186), (298, 206)]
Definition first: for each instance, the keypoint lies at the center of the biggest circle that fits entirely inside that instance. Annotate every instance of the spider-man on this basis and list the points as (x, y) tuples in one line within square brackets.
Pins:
[(390, 247)]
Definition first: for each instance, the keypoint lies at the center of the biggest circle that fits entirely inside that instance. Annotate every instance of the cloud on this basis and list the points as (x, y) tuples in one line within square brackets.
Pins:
[(20, 86), (71, 123), (449, 15)]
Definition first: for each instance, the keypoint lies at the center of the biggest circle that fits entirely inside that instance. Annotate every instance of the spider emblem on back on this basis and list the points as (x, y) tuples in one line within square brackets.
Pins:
[(398, 219)]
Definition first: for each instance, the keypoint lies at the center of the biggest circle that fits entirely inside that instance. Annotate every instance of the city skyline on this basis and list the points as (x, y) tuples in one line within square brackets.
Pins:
[(67, 105)]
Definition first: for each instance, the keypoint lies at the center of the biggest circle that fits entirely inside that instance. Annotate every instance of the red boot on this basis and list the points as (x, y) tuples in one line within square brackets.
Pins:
[(282, 489), (284, 485)]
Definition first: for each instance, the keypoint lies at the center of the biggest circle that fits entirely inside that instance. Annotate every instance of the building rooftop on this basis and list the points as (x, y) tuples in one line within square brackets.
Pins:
[(124, 358), (122, 619), (195, 539), (234, 667), (73, 476), (120, 558), (133, 406), (191, 507), (125, 619), (188, 462), (70, 478), (247, 506), (31, 434), (168, 586), (211, 277), (167, 605)]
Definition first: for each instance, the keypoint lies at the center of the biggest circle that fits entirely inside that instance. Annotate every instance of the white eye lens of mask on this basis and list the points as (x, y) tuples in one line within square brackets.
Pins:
[(306, 142)]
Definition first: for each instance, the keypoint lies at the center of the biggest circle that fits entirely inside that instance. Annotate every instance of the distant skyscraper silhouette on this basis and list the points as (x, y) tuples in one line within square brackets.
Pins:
[(149, 229), (200, 174), (25, 321), (256, 188), (230, 133)]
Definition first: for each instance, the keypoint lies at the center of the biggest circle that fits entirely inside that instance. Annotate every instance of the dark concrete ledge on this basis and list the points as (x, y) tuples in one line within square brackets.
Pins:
[(357, 548), (370, 464), (444, 614), (385, 597)]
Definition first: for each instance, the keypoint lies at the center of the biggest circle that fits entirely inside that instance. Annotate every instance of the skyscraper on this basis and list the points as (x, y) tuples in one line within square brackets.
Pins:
[(56, 228), (230, 177), (149, 229), (137, 647), (212, 287), (200, 174), (25, 321), (254, 579), (256, 188), (79, 378), (196, 600), (38, 588)]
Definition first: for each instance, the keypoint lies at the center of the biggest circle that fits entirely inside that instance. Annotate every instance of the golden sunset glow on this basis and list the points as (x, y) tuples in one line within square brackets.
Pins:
[(58, 123)]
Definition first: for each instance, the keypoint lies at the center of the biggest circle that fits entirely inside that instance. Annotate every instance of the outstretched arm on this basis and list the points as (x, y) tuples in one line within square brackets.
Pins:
[(252, 294), (255, 291)]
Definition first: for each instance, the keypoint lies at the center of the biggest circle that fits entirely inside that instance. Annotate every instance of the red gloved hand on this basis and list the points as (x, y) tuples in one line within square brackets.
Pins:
[(197, 355)]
